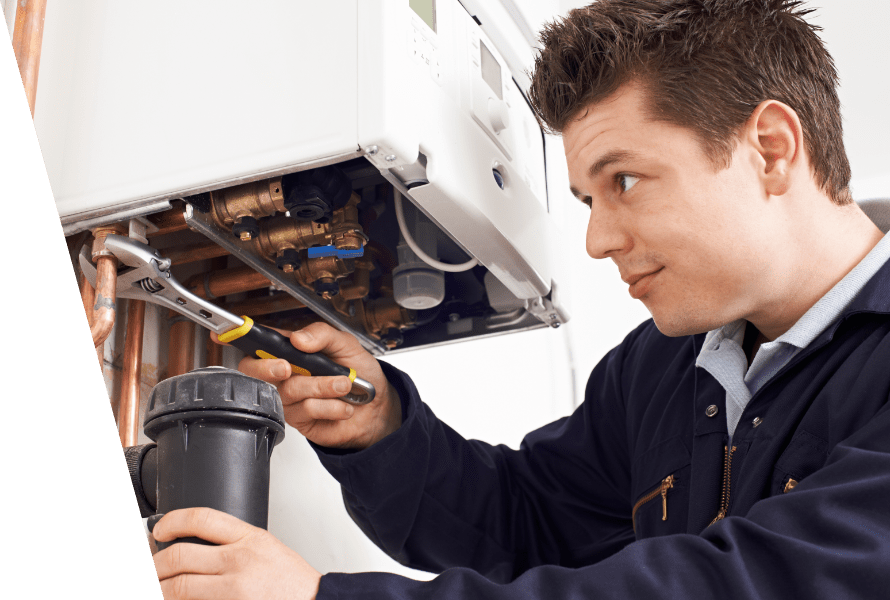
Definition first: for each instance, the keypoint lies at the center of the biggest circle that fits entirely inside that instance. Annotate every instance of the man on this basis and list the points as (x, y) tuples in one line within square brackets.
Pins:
[(734, 446)]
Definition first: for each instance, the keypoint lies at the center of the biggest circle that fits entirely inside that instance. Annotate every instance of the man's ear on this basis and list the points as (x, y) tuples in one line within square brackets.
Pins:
[(775, 132)]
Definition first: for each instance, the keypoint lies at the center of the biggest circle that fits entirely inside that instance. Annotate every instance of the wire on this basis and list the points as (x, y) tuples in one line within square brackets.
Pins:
[(400, 216)]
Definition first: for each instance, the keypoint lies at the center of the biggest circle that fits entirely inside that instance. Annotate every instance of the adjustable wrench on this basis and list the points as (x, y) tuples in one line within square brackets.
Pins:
[(149, 279)]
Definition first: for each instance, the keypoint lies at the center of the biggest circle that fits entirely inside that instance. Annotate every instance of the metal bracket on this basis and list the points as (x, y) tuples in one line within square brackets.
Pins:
[(548, 309), (204, 224)]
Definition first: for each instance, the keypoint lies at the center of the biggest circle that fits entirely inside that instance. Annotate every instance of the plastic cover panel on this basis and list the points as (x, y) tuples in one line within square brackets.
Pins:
[(141, 99)]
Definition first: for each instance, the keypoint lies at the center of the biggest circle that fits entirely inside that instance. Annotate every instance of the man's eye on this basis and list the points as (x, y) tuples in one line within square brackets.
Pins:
[(626, 182)]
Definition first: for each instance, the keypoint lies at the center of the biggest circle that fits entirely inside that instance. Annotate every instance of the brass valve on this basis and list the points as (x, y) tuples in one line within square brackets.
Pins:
[(282, 233), (359, 284), (384, 314), (343, 232), (245, 204), (346, 232), (327, 269)]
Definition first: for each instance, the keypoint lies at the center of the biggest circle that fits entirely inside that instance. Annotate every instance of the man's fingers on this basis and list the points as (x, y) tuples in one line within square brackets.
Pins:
[(196, 587), (317, 337), (267, 369), (296, 389), (189, 558), (206, 523), (315, 409)]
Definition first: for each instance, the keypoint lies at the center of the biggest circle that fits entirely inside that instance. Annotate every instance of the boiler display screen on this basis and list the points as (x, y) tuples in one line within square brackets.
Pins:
[(491, 70), (426, 10)]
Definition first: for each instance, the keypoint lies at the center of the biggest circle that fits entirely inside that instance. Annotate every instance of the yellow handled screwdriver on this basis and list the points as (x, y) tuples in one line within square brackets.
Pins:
[(149, 279)]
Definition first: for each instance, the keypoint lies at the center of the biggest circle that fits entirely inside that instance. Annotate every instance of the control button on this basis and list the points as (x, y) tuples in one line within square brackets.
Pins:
[(712, 410), (498, 115)]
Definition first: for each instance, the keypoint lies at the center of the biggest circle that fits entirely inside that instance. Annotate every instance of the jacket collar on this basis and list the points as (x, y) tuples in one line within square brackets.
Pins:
[(874, 298)]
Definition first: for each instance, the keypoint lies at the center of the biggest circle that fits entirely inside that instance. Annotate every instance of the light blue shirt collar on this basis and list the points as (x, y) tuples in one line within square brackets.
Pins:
[(723, 357)]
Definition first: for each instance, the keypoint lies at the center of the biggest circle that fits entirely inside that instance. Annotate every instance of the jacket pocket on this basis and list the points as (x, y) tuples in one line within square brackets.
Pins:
[(662, 490), (805, 454), (661, 482)]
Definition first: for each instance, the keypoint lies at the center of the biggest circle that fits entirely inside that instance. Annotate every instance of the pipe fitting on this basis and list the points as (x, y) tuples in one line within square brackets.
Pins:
[(99, 235), (280, 234), (324, 267), (346, 231), (343, 232), (359, 284), (383, 314), (253, 200)]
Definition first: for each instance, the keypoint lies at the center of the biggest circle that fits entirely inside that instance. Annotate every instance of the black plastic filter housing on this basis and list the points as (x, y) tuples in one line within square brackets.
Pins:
[(215, 429)]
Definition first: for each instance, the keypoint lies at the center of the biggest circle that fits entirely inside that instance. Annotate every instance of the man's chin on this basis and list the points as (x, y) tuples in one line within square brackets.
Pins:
[(672, 326)]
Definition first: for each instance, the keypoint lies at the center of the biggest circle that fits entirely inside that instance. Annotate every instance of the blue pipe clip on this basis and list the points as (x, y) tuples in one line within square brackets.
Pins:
[(318, 251)]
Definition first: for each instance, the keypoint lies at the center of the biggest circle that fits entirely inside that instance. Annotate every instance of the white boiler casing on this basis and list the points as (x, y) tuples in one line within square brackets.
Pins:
[(139, 105)]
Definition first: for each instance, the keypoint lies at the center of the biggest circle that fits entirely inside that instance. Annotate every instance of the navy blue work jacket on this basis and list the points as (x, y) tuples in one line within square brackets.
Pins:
[(619, 499)]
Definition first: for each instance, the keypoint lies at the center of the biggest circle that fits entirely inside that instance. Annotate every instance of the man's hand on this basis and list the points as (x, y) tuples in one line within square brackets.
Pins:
[(249, 562), (310, 403)]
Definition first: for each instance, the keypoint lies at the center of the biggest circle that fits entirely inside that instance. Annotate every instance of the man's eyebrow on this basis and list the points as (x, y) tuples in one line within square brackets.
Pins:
[(609, 158), (604, 161)]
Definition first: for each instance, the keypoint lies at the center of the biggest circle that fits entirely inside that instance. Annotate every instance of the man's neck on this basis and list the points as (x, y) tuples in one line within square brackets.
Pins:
[(832, 250)]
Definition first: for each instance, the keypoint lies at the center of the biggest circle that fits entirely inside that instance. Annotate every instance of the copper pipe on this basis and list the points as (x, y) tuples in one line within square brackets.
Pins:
[(103, 309), (214, 352), (100, 355), (169, 221), (181, 351), (27, 39), (230, 281), (88, 296), (131, 378), (264, 305), (181, 255)]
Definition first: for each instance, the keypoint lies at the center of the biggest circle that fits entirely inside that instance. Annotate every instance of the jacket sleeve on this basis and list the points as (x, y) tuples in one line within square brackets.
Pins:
[(828, 538), (433, 500)]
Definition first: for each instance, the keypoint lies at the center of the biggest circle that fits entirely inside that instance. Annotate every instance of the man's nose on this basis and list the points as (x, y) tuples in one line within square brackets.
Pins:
[(606, 234)]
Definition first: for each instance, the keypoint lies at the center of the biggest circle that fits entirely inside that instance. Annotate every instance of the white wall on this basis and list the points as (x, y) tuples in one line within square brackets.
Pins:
[(856, 35)]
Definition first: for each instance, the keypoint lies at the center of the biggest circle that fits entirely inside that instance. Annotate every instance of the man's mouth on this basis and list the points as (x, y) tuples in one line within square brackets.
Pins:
[(641, 283)]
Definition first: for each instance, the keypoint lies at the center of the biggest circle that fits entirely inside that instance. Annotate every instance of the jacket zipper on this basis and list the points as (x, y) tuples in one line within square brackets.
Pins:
[(662, 490), (727, 479)]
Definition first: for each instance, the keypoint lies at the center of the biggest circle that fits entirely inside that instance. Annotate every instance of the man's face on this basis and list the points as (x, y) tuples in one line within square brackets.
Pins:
[(701, 238)]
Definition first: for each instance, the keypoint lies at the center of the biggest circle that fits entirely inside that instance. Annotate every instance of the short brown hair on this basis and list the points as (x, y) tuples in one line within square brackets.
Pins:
[(706, 65)]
